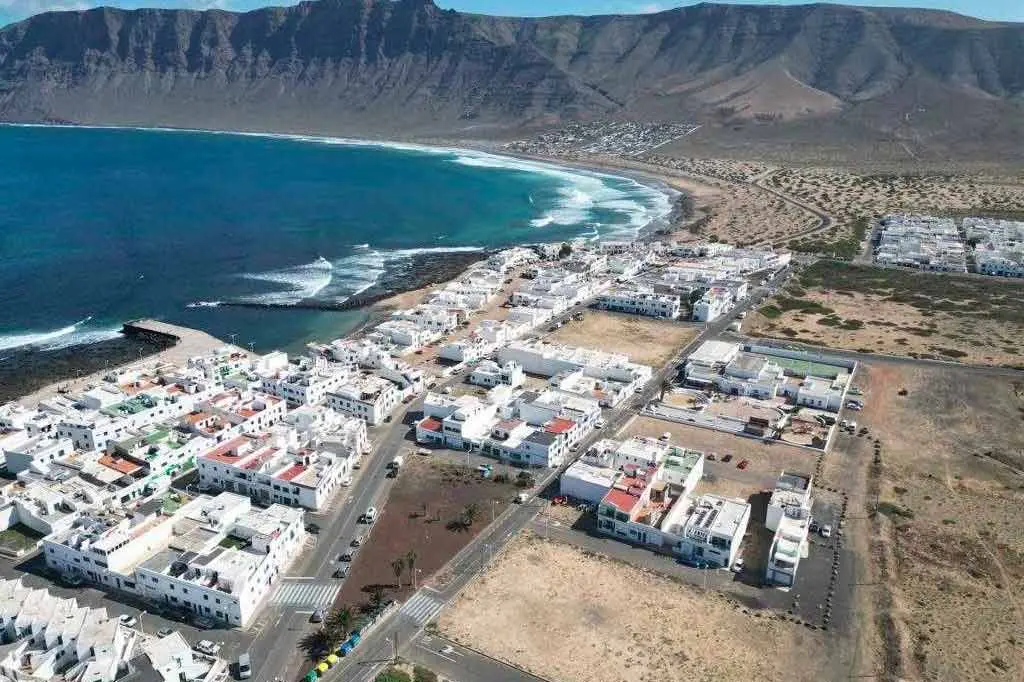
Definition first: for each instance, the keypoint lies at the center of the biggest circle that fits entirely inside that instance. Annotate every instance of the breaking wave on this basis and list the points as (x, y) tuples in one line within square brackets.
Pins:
[(57, 339), (294, 284)]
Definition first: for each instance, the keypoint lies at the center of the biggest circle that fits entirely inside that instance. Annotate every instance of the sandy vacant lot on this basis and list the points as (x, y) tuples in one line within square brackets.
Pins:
[(971, 319), (619, 624), (948, 541), (644, 339), (766, 461)]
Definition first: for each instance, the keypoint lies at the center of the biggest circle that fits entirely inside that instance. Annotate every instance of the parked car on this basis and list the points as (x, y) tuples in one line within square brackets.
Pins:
[(742, 464), (855, 406), (163, 632), (727, 458), (357, 540), (370, 515), (600, 423), (826, 531), (203, 623), (244, 667), (347, 556), (815, 526), (312, 529), (208, 647), (128, 620), (318, 616), (340, 573), (711, 457)]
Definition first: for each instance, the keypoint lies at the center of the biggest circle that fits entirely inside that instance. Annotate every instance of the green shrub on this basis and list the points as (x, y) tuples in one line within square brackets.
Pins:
[(393, 675), (421, 674)]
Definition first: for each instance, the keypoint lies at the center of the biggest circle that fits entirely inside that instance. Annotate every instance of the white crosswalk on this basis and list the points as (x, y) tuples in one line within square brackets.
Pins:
[(310, 593), (421, 608)]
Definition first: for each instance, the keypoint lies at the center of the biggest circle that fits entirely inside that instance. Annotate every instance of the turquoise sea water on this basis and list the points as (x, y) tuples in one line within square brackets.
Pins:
[(98, 226)]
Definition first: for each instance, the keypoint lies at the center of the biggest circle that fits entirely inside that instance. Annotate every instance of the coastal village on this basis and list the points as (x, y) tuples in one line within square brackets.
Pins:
[(190, 488)]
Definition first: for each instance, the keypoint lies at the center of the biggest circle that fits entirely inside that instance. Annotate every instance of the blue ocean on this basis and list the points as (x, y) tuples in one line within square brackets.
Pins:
[(98, 226)]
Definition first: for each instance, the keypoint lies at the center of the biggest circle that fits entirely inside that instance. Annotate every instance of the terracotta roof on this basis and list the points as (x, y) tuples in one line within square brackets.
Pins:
[(621, 500), (559, 425), (225, 452), (291, 472), (431, 424), (120, 465)]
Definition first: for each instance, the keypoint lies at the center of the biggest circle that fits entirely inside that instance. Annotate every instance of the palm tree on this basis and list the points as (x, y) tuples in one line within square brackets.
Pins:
[(410, 562), (377, 598), (316, 643), (471, 513), (338, 625), (398, 567)]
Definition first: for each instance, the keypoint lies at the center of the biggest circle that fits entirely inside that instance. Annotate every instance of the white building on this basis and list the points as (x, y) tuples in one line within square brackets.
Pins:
[(714, 531), (587, 482), (271, 470), (407, 334), (491, 374), (50, 638), (545, 359), (305, 385), (715, 302), (641, 301), (431, 317), (789, 515), (370, 398), (36, 453)]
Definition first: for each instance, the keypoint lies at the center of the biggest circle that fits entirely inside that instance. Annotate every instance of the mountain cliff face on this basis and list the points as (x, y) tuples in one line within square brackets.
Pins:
[(406, 65)]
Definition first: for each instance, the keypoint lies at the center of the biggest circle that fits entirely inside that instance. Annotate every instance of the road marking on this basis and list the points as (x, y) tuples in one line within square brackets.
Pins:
[(309, 594), (421, 607)]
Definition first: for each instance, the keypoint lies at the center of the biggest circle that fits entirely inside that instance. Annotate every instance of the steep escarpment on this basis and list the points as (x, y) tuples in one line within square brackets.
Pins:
[(408, 66)]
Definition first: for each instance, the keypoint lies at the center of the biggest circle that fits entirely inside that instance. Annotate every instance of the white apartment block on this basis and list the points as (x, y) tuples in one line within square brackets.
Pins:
[(368, 397), (789, 515), (35, 453), (999, 249), (714, 530), (922, 242), (715, 302), (407, 334), (490, 374), (538, 357), (305, 386), (269, 470), (52, 638), (641, 301), (430, 317), (214, 557)]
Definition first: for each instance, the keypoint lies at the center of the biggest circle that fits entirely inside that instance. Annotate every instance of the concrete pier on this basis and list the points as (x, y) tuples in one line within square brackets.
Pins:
[(186, 342)]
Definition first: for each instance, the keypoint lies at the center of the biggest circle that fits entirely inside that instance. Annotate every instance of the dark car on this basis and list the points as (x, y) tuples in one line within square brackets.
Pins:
[(727, 458), (742, 464), (340, 573), (312, 529), (347, 557)]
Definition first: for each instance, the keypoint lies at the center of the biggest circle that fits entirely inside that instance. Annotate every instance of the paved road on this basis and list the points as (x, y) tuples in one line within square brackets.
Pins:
[(379, 646), (457, 662)]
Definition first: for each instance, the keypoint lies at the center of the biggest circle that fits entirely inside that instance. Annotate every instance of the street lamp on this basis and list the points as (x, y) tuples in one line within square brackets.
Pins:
[(141, 614)]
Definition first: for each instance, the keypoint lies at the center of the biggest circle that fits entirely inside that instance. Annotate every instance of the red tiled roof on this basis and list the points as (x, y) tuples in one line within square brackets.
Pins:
[(123, 466), (559, 425), (222, 452), (621, 500), (291, 472), (431, 424), (257, 462)]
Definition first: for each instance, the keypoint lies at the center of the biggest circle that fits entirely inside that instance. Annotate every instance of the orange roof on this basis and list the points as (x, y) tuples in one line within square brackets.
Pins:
[(431, 424), (559, 425), (120, 465), (226, 452), (291, 472), (622, 500), (196, 417)]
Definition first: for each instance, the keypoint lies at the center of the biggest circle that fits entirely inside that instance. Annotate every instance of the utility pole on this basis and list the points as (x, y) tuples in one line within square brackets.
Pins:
[(394, 649)]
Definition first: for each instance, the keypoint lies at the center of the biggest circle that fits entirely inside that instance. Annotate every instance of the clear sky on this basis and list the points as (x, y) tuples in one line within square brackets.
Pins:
[(1000, 10)]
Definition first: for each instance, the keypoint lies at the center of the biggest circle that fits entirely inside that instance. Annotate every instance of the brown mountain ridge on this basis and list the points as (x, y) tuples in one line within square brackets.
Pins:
[(406, 66)]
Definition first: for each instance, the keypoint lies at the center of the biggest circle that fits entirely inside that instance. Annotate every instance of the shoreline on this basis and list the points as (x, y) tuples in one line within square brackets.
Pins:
[(390, 291)]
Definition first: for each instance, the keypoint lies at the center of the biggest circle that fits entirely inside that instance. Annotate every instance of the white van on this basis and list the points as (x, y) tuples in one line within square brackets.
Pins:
[(244, 667)]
